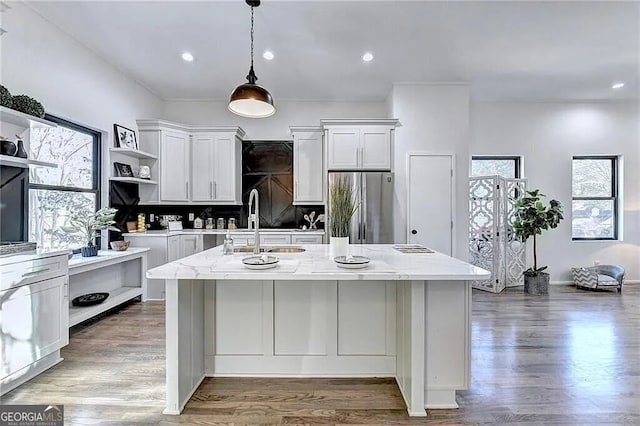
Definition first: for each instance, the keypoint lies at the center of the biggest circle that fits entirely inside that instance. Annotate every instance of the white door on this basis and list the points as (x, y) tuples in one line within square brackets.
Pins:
[(307, 168), (430, 218), (202, 167), (224, 170), (375, 148), (174, 170), (343, 148)]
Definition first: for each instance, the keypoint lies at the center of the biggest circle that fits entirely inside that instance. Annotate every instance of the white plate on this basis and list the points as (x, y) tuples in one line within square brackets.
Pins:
[(354, 262), (260, 262), (352, 265)]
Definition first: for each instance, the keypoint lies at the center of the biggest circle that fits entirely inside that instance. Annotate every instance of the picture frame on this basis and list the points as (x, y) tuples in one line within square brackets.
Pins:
[(123, 170), (124, 137)]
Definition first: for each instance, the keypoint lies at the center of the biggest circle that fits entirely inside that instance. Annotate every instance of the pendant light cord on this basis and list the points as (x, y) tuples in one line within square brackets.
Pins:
[(252, 37)]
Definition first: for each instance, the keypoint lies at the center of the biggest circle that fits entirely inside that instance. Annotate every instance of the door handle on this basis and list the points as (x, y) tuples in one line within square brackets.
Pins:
[(211, 189), (186, 186), (414, 232), (215, 189)]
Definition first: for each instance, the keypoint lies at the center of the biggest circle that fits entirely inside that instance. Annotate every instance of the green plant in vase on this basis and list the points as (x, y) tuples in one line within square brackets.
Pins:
[(342, 206), (88, 226), (531, 218)]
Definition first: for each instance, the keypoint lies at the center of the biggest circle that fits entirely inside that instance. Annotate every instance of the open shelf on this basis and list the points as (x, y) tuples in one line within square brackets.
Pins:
[(8, 115), (133, 180), (134, 153), (6, 160), (116, 297)]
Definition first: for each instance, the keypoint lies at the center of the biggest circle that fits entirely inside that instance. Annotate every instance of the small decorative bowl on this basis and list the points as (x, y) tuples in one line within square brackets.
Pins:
[(119, 245)]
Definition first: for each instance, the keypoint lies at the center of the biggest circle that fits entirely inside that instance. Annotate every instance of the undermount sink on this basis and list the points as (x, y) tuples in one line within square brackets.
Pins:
[(249, 249), (285, 250)]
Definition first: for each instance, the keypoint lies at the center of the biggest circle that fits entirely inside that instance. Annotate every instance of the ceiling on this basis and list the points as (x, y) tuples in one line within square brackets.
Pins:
[(505, 50)]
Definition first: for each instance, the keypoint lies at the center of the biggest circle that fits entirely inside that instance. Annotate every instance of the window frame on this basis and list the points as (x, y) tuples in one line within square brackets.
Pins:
[(614, 195), (96, 165), (515, 158)]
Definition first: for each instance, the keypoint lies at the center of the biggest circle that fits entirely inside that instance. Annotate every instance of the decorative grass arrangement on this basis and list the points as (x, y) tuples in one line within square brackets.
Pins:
[(343, 206)]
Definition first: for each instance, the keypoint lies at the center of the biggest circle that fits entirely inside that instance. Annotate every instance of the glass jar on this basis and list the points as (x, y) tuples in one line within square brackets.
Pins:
[(209, 224), (220, 223), (232, 223)]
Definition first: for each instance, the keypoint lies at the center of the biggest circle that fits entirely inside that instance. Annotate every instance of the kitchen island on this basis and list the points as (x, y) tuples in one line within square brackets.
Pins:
[(406, 315)]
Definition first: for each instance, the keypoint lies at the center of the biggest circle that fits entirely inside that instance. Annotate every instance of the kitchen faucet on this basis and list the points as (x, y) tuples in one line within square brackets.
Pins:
[(256, 220)]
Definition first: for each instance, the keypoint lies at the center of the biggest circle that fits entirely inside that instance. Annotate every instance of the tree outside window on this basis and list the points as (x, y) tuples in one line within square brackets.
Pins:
[(71, 190), (594, 203)]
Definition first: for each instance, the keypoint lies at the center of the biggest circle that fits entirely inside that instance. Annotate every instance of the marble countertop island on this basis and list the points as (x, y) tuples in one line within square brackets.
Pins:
[(316, 263), (406, 315)]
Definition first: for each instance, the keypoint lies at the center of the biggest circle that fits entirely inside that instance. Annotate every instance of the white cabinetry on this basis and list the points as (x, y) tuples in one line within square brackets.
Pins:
[(164, 249), (34, 297), (306, 239), (190, 244), (308, 167), (174, 166), (196, 164), (216, 160), (359, 144)]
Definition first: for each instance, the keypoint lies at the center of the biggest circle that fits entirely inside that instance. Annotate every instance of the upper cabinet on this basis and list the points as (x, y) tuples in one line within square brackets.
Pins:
[(216, 166), (196, 164), (308, 166), (359, 144)]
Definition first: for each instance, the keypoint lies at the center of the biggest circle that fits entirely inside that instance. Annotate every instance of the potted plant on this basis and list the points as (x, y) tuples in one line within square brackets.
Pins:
[(531, 218), (342, 206), (88, 226)]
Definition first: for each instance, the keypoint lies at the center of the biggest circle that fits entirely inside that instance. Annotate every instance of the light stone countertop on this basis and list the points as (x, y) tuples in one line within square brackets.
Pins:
[(316, 264), (270, 231), (26, 256)]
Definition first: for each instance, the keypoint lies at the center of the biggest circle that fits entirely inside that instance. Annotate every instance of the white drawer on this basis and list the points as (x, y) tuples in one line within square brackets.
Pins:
[(31, 271), (240, 240), (306, 239), (275, 239)]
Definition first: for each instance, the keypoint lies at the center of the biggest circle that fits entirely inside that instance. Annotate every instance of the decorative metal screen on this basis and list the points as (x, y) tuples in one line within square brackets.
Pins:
[(492, 242)]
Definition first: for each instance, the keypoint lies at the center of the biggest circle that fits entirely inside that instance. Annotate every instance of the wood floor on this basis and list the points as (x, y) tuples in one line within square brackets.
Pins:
[(572, 357)]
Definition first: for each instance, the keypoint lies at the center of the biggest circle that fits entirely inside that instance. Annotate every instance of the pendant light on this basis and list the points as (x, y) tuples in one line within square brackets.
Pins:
[(250, 100)]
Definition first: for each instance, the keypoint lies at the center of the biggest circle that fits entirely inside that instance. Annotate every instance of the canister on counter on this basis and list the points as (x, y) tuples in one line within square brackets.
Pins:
[(220, 223)]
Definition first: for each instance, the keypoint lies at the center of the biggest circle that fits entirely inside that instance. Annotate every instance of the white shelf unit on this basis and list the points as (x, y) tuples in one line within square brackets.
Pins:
[(20, 119), (133, 180), (134, 153), (6, 160), (122, 274)]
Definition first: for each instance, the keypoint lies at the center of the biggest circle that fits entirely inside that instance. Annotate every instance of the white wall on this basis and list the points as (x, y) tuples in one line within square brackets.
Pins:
[(434, 119), (288, 113), (547, 135), (40, 60)]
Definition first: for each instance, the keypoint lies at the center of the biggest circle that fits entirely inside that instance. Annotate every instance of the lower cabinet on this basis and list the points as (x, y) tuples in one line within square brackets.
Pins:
[(34, 318), (164, 249), (306, 239)]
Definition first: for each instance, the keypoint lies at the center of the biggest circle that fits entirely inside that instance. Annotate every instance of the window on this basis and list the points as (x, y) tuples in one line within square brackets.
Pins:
[(594, 198), (70, 190), (508, 167)]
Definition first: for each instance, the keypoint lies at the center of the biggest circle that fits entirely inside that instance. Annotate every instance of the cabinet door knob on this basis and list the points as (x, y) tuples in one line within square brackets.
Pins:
[(414, 232)]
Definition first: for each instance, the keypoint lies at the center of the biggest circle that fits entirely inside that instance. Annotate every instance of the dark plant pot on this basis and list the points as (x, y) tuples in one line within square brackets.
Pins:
[(538, 284), (7, 147), (89, 251)]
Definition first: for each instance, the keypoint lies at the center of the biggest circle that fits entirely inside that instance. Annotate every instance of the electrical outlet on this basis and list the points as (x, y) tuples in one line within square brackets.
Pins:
[(192, 216), (152, 217)]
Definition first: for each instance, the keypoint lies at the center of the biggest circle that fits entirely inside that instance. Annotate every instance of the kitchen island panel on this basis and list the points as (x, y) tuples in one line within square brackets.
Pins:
[(304, 311)]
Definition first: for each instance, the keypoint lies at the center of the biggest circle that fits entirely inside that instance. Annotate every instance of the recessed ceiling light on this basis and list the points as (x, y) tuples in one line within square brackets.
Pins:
[(187, 56), (367, 57), (268, 55), (617, 85)]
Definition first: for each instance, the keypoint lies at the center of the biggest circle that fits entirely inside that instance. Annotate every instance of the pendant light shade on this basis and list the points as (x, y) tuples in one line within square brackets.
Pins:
[(250, 100)]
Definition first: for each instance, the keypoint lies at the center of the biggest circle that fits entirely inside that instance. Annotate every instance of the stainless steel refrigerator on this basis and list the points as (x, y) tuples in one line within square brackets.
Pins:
[(372, 223)]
